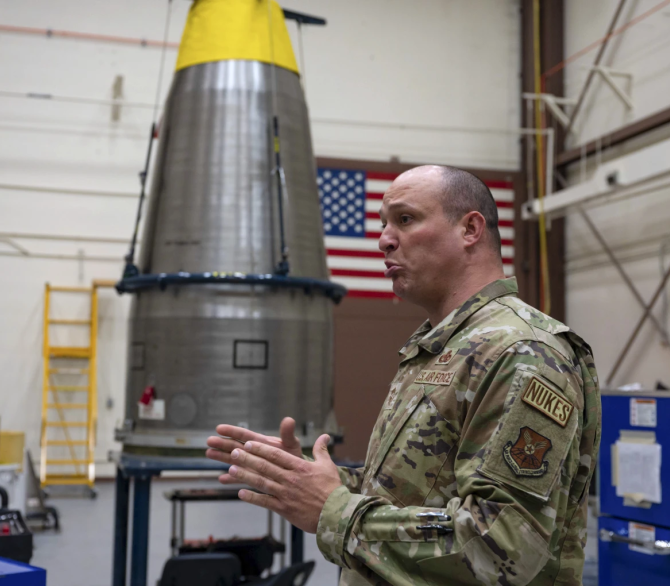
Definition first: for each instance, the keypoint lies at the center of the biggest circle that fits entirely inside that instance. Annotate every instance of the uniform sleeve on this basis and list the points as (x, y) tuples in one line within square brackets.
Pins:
[(351, 478), (514, 466)]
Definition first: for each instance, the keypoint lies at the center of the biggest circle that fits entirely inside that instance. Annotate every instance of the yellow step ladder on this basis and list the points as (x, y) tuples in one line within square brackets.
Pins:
[(69, 393)]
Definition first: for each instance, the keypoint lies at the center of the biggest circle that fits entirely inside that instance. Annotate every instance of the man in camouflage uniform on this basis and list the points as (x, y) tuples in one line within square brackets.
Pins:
[(479, 464)]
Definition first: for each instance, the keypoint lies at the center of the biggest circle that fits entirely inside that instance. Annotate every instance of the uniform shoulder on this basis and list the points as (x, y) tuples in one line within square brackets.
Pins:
[(495, 327), (546, 329), (508, 320), (533, 317)]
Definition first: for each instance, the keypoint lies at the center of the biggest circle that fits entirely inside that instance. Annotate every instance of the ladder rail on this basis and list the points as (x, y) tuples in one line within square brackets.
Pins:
[(53, 389), (92, 385), (45, 385)]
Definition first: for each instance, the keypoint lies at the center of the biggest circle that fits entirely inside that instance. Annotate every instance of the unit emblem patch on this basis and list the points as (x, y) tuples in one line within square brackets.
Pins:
[(547, 402), (446, 357), (526, 456), (434, 377)]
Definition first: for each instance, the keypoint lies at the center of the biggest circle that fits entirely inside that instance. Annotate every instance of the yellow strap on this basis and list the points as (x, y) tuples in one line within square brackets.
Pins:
[(217, 30)]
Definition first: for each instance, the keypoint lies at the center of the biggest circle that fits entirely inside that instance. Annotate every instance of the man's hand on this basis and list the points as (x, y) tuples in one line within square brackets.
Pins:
[(235, 437), (293, 487)]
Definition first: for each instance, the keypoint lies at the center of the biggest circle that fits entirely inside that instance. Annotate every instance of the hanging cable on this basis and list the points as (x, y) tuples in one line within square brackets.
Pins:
[(283, 265), (130, 269), (654, 9), (303, 71), (159, 85), (545, 293)]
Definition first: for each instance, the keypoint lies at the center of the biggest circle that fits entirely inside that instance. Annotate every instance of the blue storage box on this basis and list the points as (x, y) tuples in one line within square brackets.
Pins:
[(17, 574)]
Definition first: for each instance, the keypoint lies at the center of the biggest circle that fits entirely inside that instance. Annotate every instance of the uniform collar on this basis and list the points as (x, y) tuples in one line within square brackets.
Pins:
[(435, 339)]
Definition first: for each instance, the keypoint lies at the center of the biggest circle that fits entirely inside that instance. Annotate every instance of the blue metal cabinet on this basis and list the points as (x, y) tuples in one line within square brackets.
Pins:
[(616, 417), (619, 565), (622, 559)]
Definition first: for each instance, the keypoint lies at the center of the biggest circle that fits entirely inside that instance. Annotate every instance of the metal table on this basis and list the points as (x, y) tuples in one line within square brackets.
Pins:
[(140, 469)]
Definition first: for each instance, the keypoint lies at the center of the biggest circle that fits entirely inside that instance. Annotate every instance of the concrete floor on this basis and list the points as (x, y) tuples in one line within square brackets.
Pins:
[(81, 555)]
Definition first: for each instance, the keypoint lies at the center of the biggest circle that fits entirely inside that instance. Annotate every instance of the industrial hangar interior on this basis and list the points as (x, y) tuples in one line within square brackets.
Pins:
[(373, 218)]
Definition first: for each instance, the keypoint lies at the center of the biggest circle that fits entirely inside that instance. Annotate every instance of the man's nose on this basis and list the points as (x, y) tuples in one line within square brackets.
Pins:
[(387, 241)]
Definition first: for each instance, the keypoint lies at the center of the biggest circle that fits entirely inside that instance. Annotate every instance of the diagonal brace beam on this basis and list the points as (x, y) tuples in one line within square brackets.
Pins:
[(607, 75), (638, 327), (615, 261)]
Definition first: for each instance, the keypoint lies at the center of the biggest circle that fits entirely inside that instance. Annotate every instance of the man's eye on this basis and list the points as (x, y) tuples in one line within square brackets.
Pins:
[(405, 219), (383, 225)]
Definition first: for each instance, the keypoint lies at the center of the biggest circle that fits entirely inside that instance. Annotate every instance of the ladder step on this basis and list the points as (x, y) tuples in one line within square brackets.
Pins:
[(69, 388), (70, 289), (66, 462), (66, 443), (66, 479), (70, 322), (68, 371), (66, 424), (67, 406), (69, 352)]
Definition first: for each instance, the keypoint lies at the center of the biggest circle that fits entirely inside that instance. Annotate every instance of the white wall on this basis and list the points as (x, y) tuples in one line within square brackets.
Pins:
[(599, 305), (384, 66)]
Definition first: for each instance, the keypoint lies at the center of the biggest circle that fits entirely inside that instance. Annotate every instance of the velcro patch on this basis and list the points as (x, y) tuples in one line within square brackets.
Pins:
[(446, 357), (435, 377), (526, 456), (547, 401)]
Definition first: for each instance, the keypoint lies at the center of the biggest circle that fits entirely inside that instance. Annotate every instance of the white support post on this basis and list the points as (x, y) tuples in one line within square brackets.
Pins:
[(554, 104), (627, 176)]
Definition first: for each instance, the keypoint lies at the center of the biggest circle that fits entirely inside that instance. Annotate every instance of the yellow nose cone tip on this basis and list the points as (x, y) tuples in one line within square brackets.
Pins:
[(217, 30)]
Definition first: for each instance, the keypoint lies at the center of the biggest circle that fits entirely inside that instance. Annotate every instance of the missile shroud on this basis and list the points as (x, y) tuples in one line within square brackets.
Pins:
[(213, 350)]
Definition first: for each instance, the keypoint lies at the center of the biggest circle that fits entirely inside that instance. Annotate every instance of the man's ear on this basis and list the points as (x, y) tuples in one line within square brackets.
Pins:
[(474, 226)]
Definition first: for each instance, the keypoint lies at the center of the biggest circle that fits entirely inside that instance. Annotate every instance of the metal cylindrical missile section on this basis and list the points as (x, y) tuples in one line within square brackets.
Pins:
[(241, 354)]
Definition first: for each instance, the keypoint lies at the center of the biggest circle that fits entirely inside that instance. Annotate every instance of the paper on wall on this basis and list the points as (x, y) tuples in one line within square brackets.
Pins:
[(639, 471)]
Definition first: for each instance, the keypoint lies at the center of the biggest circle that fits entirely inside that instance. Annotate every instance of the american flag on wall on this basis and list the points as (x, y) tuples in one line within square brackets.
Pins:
[(350, 202)]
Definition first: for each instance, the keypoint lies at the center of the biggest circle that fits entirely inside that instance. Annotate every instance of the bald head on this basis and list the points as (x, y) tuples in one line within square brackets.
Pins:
[(460, 192)]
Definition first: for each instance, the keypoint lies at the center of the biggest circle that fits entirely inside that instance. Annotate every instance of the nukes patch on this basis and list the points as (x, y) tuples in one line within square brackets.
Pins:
[(526, 456), (434, 377), (547, 402)]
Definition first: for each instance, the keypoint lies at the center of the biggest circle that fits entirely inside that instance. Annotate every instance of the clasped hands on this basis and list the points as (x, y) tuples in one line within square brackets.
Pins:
[(291, 486)]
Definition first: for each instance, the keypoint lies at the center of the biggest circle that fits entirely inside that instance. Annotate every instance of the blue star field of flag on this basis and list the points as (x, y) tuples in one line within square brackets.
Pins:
[(342, 198)]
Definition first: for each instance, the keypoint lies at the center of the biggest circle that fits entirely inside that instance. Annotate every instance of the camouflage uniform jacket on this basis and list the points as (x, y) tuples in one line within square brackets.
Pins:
[(492, 427)]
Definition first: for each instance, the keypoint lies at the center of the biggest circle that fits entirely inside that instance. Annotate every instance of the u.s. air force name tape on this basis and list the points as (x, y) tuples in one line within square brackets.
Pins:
[(434, 377)]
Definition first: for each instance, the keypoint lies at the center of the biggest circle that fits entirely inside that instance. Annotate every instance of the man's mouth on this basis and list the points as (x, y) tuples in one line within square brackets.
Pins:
[(391, 269)]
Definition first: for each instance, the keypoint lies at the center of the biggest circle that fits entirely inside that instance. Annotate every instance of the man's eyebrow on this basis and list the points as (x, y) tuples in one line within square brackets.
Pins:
[(401, 204)]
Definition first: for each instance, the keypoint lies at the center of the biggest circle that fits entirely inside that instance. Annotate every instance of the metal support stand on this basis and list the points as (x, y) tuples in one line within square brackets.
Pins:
[(140, 470), (121, 529), (297, 545), (140, 542)]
